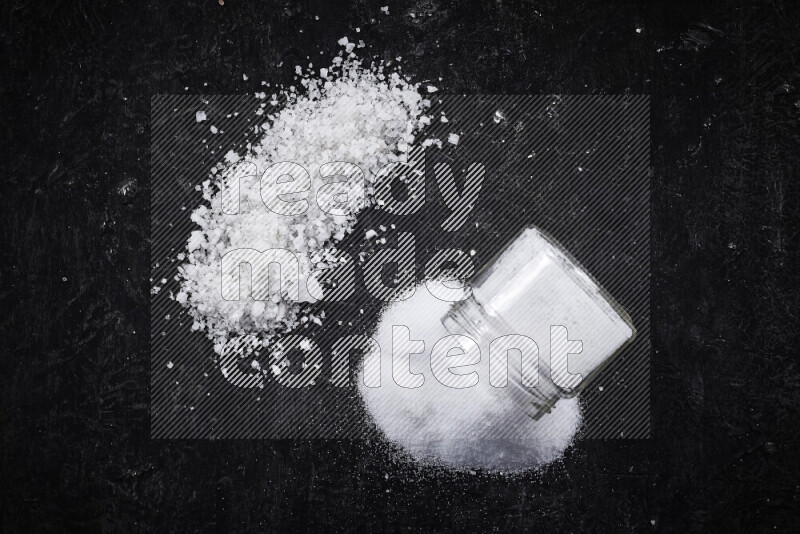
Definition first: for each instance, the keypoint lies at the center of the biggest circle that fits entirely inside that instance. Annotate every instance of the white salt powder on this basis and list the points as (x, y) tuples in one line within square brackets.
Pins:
[(353, 113), (480, 427)]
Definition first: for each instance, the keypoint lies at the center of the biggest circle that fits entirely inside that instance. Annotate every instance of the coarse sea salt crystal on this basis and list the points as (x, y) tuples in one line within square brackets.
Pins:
[(353, 113)]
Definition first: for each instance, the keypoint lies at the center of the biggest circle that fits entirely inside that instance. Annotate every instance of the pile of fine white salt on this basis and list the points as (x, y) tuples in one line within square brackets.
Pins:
[(352, 113), (480, 427)]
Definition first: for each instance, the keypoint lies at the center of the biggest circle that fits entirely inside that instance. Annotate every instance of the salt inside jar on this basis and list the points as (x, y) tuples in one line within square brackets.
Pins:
[(534, 288)]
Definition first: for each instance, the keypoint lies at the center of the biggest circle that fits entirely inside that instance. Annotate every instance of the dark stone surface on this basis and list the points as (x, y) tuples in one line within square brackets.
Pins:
[(76, 84)]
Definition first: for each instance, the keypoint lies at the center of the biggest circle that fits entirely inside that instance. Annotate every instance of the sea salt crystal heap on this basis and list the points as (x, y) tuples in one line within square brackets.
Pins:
[(350, 113)]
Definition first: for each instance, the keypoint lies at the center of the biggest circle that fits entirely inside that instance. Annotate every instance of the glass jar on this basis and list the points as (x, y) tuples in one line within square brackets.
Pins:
[(534, 288)]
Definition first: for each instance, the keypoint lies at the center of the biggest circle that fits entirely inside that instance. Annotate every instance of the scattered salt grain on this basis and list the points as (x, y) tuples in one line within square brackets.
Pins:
[(200, 116), (453, 138)]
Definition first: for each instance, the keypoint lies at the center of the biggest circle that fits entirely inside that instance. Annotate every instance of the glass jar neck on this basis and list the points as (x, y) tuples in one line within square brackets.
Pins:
[(468, 317)]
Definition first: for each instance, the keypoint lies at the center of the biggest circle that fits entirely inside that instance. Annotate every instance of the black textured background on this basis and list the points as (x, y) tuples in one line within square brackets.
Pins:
[(76, 84)]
